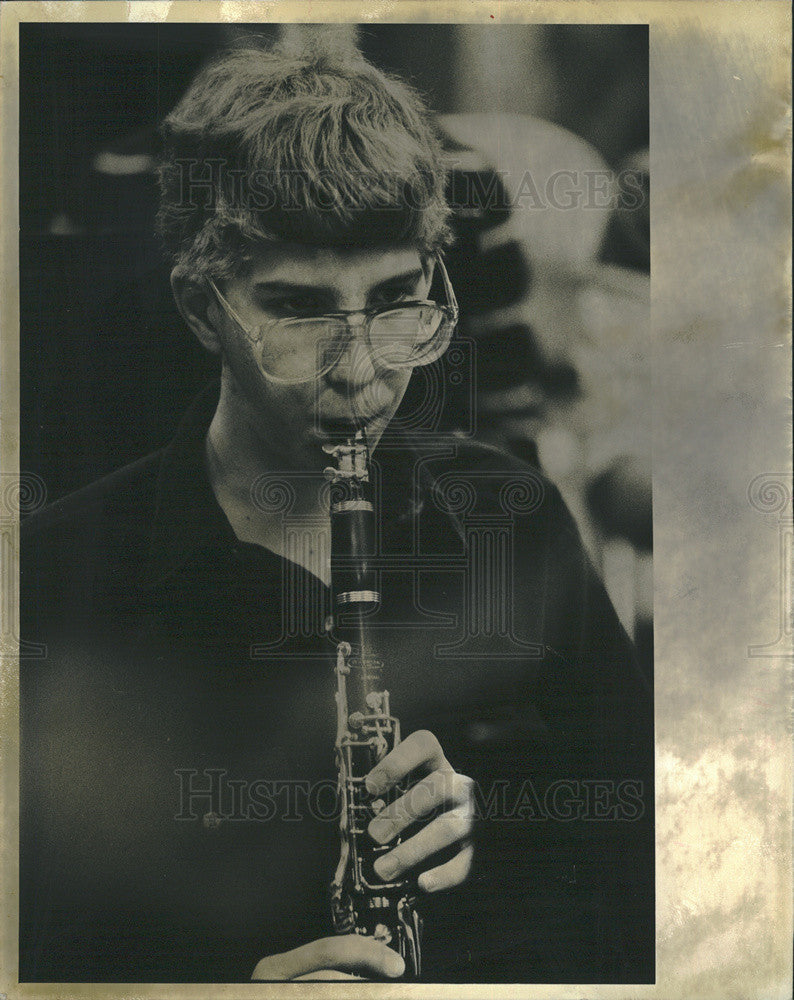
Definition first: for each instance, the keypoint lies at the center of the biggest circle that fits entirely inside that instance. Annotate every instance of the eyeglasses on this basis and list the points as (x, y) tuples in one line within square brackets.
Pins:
[(299, 349)]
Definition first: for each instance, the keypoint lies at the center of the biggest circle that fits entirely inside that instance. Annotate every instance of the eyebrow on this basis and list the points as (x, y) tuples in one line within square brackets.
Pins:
[(406, 278), (292, 288)]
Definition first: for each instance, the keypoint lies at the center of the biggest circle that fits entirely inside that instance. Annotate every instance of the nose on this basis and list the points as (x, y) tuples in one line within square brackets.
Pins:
[(355, 367)]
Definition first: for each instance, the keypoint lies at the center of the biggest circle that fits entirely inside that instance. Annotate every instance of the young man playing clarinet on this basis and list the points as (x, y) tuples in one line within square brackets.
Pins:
[(178, 736)]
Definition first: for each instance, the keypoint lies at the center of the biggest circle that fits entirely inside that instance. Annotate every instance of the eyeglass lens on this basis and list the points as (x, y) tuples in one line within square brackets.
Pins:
[(406, 337)]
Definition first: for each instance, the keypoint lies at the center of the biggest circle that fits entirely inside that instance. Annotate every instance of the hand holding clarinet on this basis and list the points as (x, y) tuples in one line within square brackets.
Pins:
[(386, 785), (356, 956)]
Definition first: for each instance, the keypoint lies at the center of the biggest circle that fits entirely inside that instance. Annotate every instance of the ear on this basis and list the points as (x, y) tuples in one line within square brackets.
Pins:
[(198, 308)]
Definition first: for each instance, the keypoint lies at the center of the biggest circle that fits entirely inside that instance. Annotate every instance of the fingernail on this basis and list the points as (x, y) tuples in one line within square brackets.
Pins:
[(395, 966), (372, 783), (380, 830), (427, 882), (386, 867)]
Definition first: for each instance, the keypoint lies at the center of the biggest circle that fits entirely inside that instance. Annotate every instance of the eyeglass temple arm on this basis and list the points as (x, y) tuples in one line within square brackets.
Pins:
[(450, 292), (226, 305)]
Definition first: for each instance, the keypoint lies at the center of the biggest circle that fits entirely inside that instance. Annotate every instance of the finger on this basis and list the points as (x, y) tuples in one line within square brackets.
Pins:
[(327, 974), (345, 953), (441, 788), (419, 749), (451, 874), (449, 828)]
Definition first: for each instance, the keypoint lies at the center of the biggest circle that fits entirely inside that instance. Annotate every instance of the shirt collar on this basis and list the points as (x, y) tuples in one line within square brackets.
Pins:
[(187, 517)]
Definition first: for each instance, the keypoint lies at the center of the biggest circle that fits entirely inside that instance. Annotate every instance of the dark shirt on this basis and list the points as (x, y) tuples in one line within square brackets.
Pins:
[(177, 726)]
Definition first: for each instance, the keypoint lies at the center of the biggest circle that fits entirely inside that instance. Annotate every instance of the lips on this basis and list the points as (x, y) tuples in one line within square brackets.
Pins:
[(342, 427), (343, 411), (338, 426)]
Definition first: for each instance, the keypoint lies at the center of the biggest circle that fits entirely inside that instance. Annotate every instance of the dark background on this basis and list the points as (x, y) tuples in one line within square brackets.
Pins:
[(107, 364)]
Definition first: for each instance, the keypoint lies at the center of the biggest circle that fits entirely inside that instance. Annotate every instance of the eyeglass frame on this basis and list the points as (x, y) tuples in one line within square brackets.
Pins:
[(451, 308)]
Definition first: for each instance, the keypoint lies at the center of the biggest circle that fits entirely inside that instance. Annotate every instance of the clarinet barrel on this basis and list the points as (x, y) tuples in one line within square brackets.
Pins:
[(361, 902)]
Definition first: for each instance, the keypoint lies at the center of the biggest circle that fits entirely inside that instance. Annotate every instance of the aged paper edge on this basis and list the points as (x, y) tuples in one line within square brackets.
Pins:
[(767, 24)]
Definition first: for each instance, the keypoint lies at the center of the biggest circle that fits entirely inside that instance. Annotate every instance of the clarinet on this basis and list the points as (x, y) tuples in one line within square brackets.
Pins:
[(361, 903)]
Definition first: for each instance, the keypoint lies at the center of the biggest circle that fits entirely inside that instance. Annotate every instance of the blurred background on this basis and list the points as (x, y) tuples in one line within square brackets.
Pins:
[(548, 132)]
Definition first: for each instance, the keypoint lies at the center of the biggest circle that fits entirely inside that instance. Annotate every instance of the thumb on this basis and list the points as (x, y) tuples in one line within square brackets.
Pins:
[(344, 953)]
